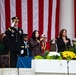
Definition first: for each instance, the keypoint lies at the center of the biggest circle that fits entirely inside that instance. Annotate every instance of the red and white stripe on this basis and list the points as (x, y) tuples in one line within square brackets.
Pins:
[(75, 16), (42, 15)]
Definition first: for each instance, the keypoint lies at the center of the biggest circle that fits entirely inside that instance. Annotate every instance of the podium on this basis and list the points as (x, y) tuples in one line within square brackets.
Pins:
[(53, 66), (24, 62)]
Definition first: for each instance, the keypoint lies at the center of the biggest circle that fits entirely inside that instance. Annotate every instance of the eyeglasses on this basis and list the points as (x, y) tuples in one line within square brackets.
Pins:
[(25, 37)]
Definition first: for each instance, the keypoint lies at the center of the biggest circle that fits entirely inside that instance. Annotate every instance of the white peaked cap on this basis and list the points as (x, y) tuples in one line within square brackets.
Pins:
[(43, 35)]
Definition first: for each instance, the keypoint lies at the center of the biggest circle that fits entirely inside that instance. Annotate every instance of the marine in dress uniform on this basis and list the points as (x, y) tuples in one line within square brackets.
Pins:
[(15, 35)]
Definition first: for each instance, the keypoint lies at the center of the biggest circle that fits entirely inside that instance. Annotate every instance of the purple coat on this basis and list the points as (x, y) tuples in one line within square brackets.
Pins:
[(35, 47)]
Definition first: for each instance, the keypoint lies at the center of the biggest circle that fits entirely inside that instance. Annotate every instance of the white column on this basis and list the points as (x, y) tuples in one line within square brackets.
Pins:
[(67, 17)]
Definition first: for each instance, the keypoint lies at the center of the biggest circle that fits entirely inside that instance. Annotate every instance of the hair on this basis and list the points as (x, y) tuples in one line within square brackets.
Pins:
[(15, 19), (33, 35), (61, 32), (24, 35)]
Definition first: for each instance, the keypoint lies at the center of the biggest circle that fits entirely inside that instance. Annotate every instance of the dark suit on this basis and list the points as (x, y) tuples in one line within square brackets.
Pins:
[(35, 47), (26, 53), (61, 44), (15, 36)]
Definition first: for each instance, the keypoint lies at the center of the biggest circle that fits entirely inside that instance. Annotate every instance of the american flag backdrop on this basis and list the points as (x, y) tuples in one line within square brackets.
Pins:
[(42, 15), (75, 16)]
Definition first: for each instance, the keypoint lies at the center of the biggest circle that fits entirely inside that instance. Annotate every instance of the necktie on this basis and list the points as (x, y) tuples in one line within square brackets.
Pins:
[(27, 48)]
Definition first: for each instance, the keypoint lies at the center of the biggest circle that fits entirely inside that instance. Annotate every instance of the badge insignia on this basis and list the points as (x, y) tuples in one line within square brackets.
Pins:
[(12, 35), (20, 32)]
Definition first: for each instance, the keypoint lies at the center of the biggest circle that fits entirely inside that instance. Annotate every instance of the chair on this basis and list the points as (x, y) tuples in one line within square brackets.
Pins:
[(5, 60), (4, 57), (53, 45)]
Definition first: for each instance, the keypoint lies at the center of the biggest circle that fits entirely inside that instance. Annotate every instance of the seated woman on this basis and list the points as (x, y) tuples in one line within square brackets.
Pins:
[(34, 44), (63, 41)]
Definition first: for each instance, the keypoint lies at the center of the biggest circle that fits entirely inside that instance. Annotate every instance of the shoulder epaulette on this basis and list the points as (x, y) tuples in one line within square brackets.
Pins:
[(22, 46), (9, 29)]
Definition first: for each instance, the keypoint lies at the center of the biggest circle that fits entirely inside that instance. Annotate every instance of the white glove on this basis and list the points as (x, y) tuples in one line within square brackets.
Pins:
[(22, 51), (13, 24)]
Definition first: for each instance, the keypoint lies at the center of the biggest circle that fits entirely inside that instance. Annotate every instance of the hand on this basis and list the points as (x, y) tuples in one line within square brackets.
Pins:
[(27, 46), (41, 39), (66, 41), (38, 41), (22, 51)]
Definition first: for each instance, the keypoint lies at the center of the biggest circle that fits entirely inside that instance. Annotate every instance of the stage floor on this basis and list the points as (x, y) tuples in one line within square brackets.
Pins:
[(26, 71)]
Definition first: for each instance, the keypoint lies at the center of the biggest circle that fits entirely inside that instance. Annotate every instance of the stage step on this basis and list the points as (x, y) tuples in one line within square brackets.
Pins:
[(16, 71), (26, 71)]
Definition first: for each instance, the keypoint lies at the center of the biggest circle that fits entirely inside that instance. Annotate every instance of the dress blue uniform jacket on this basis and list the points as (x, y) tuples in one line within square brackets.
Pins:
[(15, 36)]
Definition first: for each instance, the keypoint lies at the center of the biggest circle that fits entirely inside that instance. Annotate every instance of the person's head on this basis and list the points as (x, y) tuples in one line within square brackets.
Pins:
[(44, 37), (35, 35), (2, 36), (15, 20), (63, 33), (25, 37)]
